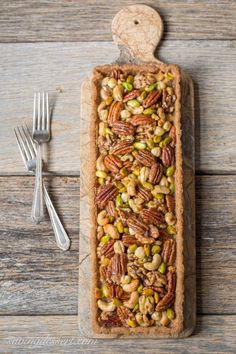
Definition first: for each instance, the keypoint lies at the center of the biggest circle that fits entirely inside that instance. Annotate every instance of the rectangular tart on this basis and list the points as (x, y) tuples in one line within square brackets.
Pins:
[(136, 196)]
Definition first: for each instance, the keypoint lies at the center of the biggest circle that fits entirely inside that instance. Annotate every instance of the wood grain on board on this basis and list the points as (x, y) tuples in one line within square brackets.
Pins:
[(72, 20), (59, 334), (60, 69), (38, 278)]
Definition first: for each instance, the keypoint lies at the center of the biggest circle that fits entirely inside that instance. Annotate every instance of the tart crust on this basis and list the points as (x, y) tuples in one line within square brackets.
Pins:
[(178, 323)]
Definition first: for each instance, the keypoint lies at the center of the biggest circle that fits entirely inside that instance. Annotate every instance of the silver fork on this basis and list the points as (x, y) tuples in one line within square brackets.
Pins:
[(28, 153), (41, 134)]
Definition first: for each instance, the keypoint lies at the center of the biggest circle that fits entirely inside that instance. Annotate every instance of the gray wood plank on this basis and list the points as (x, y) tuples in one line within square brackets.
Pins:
[(38, 278), (60, 68), (60, 334), (60, 20)]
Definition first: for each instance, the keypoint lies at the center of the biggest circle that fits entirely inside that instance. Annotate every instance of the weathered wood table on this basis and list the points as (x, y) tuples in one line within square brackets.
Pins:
[(52, 45)]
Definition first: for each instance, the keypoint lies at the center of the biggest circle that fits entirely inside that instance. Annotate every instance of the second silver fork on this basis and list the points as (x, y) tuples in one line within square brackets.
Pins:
[(41, 134), (28, 153)]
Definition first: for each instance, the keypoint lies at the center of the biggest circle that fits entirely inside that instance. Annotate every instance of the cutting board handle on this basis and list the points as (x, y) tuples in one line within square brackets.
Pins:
[(139, 28)]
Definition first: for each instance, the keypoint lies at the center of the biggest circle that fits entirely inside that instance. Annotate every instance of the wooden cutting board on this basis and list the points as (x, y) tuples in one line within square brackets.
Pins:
[(137, 30)]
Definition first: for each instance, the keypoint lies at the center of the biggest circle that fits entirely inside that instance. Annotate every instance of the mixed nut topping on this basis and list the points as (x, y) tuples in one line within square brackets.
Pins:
[(136, 222)]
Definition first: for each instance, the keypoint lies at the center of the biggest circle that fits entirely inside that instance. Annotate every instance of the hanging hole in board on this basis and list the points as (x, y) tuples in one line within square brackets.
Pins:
[(136, 22)]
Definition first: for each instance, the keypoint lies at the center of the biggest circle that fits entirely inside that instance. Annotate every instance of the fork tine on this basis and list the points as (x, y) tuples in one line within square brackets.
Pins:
[(43, 111), (39, 112), (47, 112), (30, 138), (28, 142), (21, 145), (34, 115)]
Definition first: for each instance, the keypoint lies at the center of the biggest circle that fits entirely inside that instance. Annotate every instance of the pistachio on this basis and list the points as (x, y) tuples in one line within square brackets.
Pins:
[(131, 323), (149, 111), (118, 93), (127, 86), (139, 145), (151, 87), (101, 173), (162, 268), (118, 201), (105, 239), (172, 188), (130, 79), (147, 292), (170, 314), (155, 249), (157, 139), (165, 142), (132, 248), (170, 171), (171, 230), (120, 227), (133, 103)]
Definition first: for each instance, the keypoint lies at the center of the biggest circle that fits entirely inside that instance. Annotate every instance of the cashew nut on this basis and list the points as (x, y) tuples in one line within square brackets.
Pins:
[(131, 187), (170, 218), (133, 300), (110, 230), (106, 306), (156, 261), (144, 173), (102, 218), (100, 232), (132, 286), (164, 319), (100, 164)]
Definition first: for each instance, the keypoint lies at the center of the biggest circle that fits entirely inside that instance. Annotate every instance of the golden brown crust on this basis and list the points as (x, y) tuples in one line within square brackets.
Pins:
[(178, 321)]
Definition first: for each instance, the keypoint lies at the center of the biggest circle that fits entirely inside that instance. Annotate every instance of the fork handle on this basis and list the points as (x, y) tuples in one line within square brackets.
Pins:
[(62, 238), (37, 207)]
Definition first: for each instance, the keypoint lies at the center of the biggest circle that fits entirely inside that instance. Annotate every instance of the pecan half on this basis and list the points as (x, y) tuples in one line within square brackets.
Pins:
[(155, 173), (143, 193), (167, 100), (114, 112), (104, 274), (112, 320), (165, 302), (170, 202), (130, 240), (152, 216), (107, 250), (123, 128), (152, 98), (117, 267), (112, 163), (115, 291), (122, 148), (116, 73), (106, 193), (172, 134), (111, 209), (145, 158), (141, 119), (167, 156), (171, 282), (169, 251), (124, 314), (131, 95), (136, 225)]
